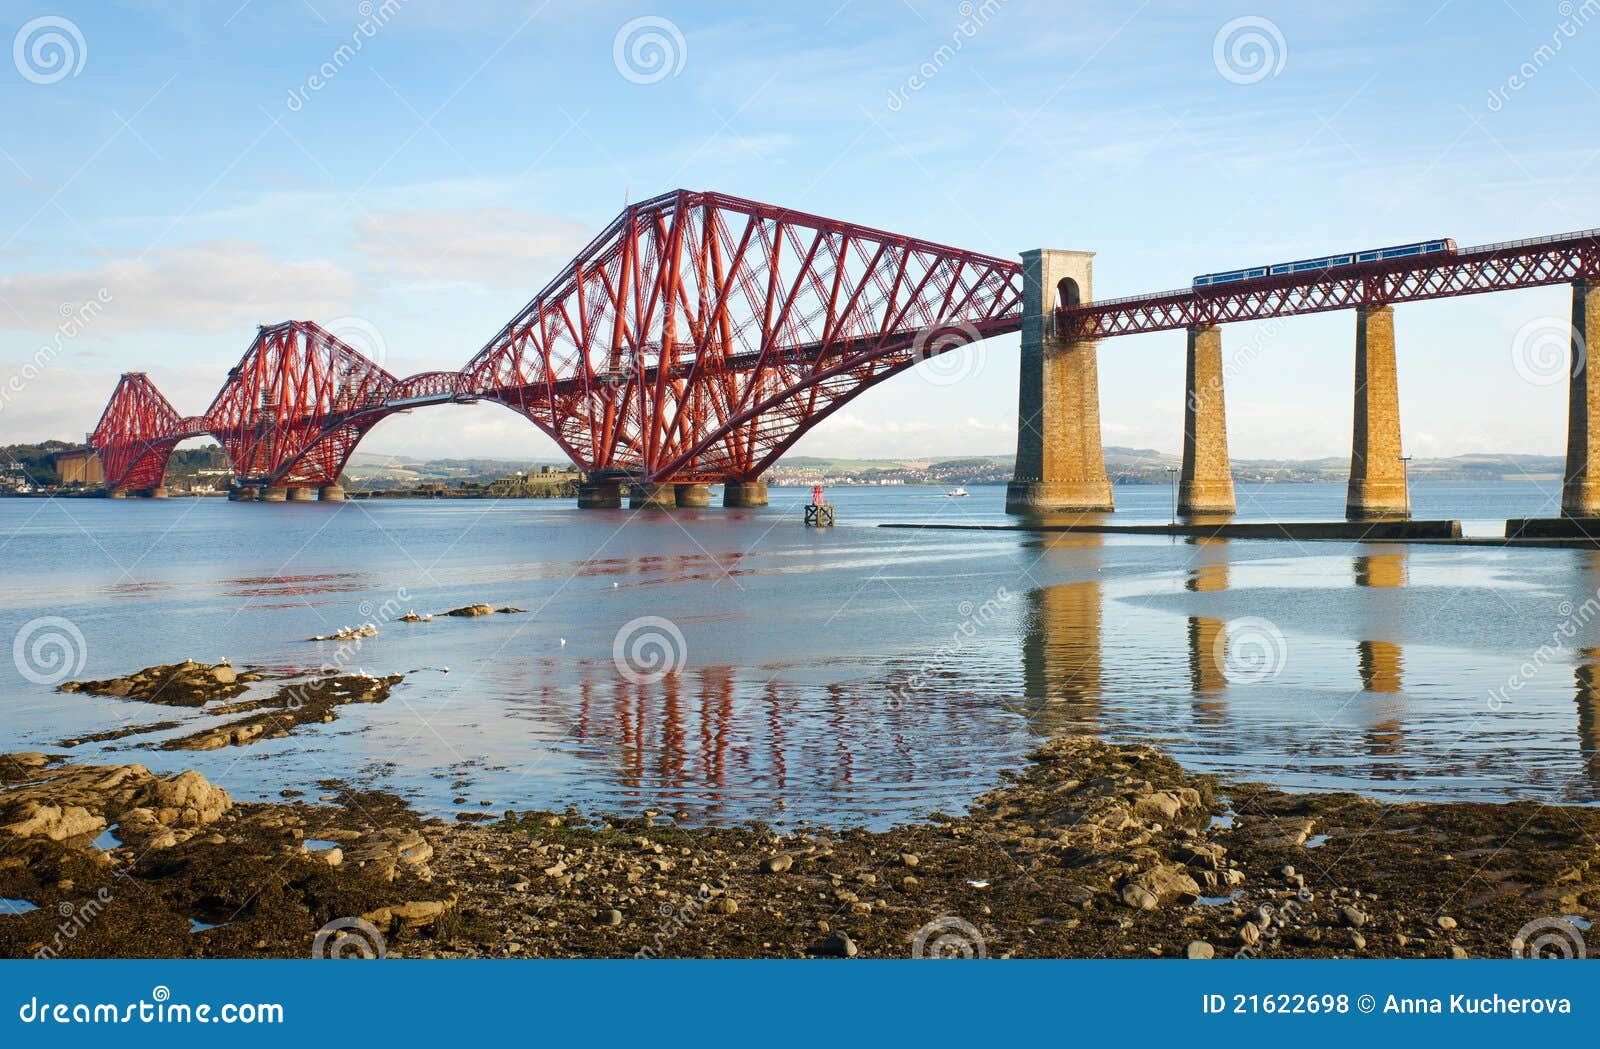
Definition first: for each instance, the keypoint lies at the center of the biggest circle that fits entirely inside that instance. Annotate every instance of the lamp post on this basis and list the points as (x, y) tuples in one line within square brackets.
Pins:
[(1405, 474)]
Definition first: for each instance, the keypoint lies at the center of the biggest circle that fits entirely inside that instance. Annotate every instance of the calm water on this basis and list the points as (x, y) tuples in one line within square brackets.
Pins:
[(854, 675)]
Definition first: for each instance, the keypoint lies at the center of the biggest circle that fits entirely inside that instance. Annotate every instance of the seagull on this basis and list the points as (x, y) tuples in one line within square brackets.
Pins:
[(563, 642)]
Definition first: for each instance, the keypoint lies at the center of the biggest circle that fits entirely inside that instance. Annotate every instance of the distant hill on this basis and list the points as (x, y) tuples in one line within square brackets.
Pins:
[(366, 466), (1149, 466), (25, 463)]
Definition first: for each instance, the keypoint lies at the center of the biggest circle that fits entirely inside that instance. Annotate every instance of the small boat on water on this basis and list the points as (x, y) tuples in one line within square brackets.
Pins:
[(957, 493)]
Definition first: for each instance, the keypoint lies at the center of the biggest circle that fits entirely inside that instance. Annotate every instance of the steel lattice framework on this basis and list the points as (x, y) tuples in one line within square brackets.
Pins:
[(136, 433), (1533, 263), (700, 335)]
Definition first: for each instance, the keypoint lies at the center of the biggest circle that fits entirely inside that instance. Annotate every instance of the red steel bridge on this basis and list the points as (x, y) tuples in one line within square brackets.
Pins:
[(700, 335)]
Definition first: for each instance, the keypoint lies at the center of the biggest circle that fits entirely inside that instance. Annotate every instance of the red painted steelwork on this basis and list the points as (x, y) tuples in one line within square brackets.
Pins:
[(1542, 261), (700, 335)]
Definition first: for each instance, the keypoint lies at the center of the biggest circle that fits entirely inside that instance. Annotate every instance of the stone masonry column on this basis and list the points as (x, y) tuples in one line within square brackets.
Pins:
[(652, 497), (599, 495), (1580, 490), (692, 496), (1060, 462), (744, 494), (1377, 476), (1206, 484)]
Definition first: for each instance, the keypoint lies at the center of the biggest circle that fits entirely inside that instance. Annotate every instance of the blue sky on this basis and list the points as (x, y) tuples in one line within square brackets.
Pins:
[(429, 187)]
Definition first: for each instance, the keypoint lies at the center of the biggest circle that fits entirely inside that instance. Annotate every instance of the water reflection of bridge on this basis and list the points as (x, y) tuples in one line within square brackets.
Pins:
[(699, 732)]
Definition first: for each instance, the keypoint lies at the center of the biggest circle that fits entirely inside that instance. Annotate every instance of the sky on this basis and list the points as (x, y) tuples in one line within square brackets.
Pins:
[(194, 170)]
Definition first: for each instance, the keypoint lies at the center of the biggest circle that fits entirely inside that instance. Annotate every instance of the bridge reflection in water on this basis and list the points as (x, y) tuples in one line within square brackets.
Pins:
[(1083, 654), (1065, 681), (1208, 636), (1587, 676), (1061, 641), (1381, 660)]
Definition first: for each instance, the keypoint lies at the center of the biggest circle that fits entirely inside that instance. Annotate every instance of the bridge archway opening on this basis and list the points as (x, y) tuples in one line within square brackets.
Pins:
[(1068, 294), (200, 462), (477, 442)]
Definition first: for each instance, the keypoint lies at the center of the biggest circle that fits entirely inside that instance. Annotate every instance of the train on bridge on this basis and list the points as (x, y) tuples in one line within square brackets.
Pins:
[(1442, 246)]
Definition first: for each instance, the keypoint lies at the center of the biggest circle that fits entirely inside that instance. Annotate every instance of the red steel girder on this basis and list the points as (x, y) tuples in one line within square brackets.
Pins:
[(136, 434), (1506, 266), (296, 404), (699, 334)]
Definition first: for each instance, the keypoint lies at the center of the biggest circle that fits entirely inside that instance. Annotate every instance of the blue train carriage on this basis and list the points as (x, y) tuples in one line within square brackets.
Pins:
[(1403, 251), (1328, 262), (1229, 277)]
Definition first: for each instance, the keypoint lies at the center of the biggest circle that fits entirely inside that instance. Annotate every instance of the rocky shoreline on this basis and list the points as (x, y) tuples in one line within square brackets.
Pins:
[(1094, 850)]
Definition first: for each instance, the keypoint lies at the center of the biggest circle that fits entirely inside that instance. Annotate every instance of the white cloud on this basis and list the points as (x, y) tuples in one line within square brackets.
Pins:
[(493, 247), (213, 286)]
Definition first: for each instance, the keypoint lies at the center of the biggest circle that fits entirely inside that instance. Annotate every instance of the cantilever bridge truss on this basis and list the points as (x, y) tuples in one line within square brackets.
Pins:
[(696, 338), (700, 335)]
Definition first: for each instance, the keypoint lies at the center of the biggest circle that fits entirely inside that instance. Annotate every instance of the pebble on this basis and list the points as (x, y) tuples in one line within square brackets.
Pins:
[(777, 864), (1459, 953), (725, 905), (613, 917), (1249, 934), (1199, 950), (1351, 916), (838, 945), (1446, 922), (909, 859)]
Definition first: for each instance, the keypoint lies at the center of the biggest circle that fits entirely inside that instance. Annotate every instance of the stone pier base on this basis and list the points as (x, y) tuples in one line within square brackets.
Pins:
[(117, 493), (599, 495), (331, 493), (1205, 486), (242, 494), (693, 496), (1034, 498), (652, 496), (1580, 489), (158, 492), (302, 495), (1377, 476), (744, 494), (1060, 463), (274, 495)]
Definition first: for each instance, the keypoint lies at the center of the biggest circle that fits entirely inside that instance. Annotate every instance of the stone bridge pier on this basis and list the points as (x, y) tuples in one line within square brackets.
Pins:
[(1061, 465), (1580, 488)]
